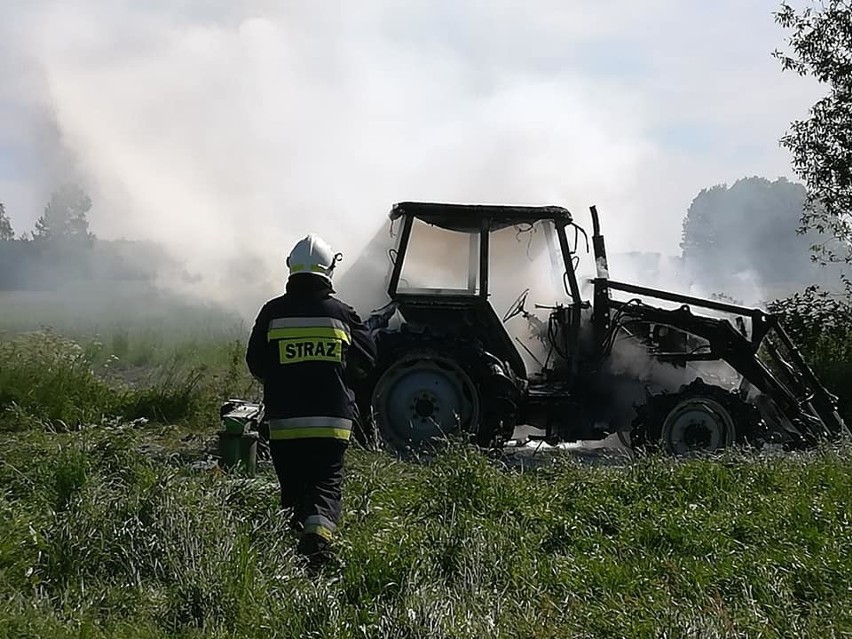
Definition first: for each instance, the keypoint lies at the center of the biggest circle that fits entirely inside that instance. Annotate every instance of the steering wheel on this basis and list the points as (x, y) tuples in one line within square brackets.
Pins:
[(517, 306)]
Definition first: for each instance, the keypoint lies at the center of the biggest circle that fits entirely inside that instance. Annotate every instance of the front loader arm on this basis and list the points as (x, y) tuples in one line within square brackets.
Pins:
[(728, 344)]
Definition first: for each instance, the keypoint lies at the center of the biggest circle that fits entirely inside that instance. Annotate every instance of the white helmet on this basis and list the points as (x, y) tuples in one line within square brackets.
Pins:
[(313, 255)]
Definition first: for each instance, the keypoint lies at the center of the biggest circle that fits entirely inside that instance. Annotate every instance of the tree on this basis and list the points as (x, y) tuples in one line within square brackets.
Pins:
[(6, 232), (700, 235), (821, 47), (65, 215), (746, 233)]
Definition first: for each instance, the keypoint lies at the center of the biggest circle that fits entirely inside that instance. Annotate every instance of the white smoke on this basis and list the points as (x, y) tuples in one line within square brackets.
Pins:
[(228, 129)]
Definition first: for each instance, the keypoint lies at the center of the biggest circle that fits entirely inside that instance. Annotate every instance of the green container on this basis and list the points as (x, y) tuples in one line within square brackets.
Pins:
[(238, 419), (238, 451)]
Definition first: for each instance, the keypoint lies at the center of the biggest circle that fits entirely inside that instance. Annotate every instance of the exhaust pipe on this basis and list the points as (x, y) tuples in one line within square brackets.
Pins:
[(601, 317), (598, 245)]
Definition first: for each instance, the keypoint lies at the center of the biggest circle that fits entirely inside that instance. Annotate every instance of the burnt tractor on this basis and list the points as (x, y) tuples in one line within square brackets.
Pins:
[(713, 373), (682, 375)]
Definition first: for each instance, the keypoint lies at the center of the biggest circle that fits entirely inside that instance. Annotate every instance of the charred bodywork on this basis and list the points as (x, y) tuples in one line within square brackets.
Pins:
[(447, 362)]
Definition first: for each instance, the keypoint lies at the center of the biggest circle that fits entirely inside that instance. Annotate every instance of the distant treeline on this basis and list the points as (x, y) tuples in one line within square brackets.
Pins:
[(735, 240), (51, 264), (60, 250)]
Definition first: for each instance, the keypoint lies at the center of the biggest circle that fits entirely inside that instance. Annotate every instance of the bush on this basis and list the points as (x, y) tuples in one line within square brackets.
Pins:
[(821, 324), (49, 378), (48, 381), (816, 317)]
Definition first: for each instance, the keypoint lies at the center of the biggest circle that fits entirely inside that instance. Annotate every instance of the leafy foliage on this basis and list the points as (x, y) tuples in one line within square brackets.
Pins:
[(748, 232), (821, 323), (64, 252), (65, 216), (60, 264), (814, 315), (6, 232), (821, 46)]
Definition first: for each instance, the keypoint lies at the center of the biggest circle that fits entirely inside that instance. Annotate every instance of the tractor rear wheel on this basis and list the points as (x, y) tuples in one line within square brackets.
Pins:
[(423, 396)]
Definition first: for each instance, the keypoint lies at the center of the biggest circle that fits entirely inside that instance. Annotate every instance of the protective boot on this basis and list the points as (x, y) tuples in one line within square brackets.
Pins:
[(317, 550)]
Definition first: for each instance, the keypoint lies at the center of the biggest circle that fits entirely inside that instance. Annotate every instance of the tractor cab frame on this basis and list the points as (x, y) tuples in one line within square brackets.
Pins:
[(451, 312)]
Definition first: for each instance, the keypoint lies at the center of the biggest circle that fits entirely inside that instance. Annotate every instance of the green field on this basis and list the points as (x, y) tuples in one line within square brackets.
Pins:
[(108, 527)]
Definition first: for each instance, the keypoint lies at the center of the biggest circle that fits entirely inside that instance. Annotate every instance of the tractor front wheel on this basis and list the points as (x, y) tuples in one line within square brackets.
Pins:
[(699, 419), (697, 424)]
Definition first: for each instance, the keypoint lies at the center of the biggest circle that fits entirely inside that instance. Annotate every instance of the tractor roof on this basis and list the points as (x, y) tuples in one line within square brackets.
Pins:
[(467, 218)]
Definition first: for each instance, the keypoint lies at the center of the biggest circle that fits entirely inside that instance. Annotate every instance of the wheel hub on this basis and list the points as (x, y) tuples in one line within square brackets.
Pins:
[(697, 435), (425, 406)]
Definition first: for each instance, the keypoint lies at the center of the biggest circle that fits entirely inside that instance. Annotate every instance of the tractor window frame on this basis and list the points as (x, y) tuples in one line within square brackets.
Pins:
[(477, 276)]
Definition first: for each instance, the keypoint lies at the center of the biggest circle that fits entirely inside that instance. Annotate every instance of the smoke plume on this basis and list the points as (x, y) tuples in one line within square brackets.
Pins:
[(227, 130)]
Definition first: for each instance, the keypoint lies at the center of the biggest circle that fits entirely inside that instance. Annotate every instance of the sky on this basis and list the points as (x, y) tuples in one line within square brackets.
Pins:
[(227, 129)]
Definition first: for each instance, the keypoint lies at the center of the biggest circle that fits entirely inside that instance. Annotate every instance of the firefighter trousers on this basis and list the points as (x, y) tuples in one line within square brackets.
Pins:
[(310, 473)]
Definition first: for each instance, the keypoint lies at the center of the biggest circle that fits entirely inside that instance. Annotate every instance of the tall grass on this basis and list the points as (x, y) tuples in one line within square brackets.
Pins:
[(45, 378), (50, 381), (100, 540)]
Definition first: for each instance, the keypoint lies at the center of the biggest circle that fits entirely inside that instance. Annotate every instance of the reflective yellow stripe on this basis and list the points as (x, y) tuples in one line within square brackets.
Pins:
[(312, 331), (318, 529), (320, 525), (307, 322), (310, 421), (308, 433)]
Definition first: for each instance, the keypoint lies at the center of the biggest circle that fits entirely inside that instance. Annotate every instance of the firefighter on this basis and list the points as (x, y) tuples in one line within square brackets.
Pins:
[(307, 347)]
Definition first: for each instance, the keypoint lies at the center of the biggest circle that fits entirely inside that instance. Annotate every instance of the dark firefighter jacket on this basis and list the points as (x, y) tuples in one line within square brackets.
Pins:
[(304, 347)]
